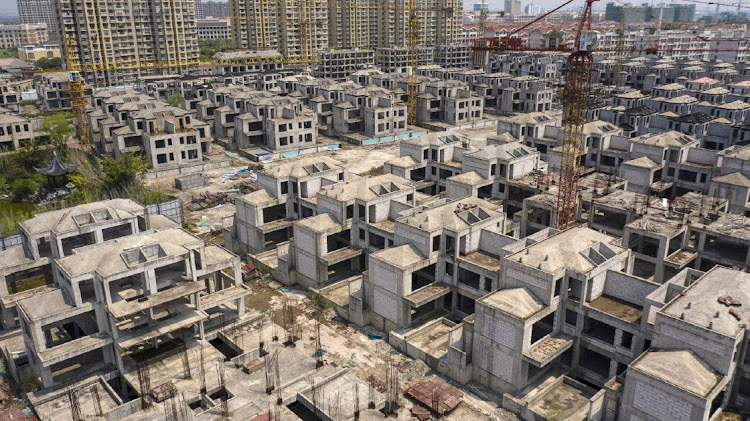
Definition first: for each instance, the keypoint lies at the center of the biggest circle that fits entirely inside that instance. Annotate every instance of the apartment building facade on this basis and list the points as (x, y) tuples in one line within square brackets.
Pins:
[(141, 38), (214, 28), (23, 34), (38, 11), (340, 24)]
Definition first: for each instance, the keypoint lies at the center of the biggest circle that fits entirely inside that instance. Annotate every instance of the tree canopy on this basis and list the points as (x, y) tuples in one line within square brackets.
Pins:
[(45, 63)]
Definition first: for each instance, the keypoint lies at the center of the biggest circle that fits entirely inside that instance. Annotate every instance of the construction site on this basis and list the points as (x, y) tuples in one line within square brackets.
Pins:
[(371, 218)]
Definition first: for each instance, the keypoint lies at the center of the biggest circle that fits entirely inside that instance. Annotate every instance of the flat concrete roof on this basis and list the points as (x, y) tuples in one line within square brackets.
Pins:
[(454, 216), (71, 219), (111, 257), (616, 307), (665, 139), (433, 338), (46, 303), (736, 226), (699, 304), (516, 302), (302, 167), (680, 369), (562, 401), (367, 188), (571, 249)]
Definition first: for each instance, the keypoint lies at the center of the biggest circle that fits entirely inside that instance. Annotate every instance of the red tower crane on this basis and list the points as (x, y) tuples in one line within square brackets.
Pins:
[(575, 104)]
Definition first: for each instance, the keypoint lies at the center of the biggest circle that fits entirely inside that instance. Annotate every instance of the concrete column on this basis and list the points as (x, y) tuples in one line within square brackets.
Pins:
[(3, 286), (612, 368), (240, 306), (76, 289), (46, 374), (150, 281), (38, 337), (60, 251), (700, 246), (98, 236), (107, 293), (190, 266), (237, 273), (9, 321)]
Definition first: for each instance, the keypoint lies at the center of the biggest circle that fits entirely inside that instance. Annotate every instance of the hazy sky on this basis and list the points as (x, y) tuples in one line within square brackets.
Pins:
[(8, 7)]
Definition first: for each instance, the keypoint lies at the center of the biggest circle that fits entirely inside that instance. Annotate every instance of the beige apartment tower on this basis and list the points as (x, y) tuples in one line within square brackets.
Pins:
[(116, 42), (281, 24)]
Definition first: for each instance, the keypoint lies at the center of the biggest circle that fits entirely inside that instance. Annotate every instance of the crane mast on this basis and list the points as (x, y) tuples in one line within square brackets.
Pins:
[(575, 105), (413, 46), (76, 90)]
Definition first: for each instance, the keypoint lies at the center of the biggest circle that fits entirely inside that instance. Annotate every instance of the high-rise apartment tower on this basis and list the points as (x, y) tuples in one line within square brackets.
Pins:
[(38, 11), (115, 42)]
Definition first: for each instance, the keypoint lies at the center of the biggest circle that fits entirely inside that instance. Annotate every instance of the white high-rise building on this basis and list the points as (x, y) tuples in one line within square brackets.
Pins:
[(512, 7), (532, 9)]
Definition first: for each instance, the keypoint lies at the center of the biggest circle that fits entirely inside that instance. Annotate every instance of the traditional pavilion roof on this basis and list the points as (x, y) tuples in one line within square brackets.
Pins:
[(56, 168)]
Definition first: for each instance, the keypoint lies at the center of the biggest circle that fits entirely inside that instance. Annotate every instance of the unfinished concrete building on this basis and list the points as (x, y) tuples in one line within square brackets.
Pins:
[(449, 102), (368, 112), (245, 118), (525, 94), (442, 259), (52, 90), (130, 122), (264, 218), (15, 131), (339, 64), (165, 284), (395, 59), (27, 268), (699, 360)]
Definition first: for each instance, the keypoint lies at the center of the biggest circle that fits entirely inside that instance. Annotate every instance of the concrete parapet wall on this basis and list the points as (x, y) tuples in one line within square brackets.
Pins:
[(172, 209), (124, 410), (190, 181), (628, 287), (10, 241), (187, 169)]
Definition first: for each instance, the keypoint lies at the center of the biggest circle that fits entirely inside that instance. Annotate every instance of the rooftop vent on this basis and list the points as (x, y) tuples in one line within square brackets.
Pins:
[(92, 217), (143, 254)]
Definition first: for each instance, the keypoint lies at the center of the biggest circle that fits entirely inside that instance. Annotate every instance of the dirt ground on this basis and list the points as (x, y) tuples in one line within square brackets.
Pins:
[(364, 353)]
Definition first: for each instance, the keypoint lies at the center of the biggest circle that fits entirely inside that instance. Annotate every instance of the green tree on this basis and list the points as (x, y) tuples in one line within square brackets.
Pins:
[(45, 63), (25, 188), (8, 53), (58, 129), (174, 100), (122, 173), (209, 47)]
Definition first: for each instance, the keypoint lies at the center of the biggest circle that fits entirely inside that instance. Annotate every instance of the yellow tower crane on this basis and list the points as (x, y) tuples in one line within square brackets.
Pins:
[(76, 90)]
